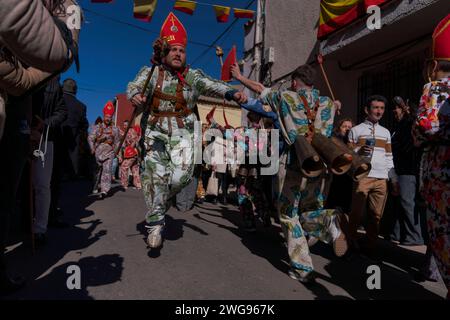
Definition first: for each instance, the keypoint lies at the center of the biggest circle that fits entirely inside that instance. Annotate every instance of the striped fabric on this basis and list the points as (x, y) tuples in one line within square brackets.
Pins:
[(143, 9), (335, 14), (185, 6), (222, 13)]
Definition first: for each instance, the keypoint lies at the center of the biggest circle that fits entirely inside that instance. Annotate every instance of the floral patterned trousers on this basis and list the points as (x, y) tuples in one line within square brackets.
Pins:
[(127, 165), (301, 210), (168, 167)]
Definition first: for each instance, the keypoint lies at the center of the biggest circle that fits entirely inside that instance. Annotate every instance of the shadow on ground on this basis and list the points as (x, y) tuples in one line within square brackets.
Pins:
[(350, 274), (44, 281)]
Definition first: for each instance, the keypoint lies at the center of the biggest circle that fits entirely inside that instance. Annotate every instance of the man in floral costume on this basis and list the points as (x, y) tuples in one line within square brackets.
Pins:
[(168, 123), (129, 158), (103, 140), (302, 111), (432, 130)]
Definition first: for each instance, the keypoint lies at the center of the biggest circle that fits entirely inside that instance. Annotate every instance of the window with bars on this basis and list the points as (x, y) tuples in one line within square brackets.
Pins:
[(402, 77)]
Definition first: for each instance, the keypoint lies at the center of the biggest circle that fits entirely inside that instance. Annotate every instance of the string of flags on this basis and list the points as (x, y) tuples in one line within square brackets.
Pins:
[(143, 10)]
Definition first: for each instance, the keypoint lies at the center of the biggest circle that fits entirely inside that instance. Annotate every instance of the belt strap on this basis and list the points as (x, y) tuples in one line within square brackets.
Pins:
[(311, 115), (181, 109)]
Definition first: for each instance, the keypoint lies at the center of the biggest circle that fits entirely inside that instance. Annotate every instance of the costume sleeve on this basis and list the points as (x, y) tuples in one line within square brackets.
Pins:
[(92, 137), (134, 87), (272, 98), (433, 116), (208, 86)]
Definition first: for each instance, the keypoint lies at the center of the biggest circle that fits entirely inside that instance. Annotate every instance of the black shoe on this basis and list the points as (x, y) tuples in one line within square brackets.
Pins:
[(40, 239), (200, 201), (224, 201), (214, 201), (10, 285)]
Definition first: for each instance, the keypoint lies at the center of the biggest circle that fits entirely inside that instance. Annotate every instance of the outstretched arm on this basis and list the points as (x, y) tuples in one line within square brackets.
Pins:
[(250, 84), (206, 85)]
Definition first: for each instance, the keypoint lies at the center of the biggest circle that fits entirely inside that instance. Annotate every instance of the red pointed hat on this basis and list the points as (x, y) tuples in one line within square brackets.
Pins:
[(173, 31), (108, 109), (441, 40), (129, 152)]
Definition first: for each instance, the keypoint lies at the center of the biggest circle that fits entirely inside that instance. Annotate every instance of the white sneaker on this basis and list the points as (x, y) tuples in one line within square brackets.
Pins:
[(154, 238)]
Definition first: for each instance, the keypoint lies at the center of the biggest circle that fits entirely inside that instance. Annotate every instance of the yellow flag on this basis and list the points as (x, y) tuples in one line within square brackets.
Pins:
[(143, 9)]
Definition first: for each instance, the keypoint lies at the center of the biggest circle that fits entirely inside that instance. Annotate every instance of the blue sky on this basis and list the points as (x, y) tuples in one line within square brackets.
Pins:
[(111, 53)]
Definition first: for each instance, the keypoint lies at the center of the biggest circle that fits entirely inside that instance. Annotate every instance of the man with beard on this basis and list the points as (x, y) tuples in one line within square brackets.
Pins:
[(168, 123)]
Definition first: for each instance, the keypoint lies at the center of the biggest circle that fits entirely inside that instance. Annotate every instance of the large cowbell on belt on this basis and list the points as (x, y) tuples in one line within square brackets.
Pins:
[(339, 158), (360, 167), (313, 156)]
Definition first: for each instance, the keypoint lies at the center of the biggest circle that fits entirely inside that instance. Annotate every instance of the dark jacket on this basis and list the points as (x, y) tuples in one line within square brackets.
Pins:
[(48, 104), (76, 122), (405, 154), (76, 118)]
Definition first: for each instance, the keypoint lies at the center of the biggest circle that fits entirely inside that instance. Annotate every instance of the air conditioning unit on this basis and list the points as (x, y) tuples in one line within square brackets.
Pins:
[(269, 55)]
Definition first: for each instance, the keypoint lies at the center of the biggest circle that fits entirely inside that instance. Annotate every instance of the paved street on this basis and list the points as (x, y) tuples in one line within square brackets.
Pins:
[(205, 256)]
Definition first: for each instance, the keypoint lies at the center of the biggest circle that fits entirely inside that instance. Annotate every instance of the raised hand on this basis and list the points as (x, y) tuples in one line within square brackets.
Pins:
[(235, 71)]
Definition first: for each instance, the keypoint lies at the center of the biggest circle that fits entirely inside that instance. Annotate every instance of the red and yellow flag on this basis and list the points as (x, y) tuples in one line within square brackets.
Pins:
[(143, 9), (222, 13), (185, 6), (334, 14), (243, 13)]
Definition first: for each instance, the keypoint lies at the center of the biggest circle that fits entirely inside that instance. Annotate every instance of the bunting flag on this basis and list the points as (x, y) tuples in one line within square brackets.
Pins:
[(185, 6), (101, 1), (222, 13), (143, 9), (335, 14), (226, 68), (243, 13)]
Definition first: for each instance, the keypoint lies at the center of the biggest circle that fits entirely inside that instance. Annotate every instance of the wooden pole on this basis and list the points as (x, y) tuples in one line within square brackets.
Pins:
[(219, 53), (135, 111), (320, 60)]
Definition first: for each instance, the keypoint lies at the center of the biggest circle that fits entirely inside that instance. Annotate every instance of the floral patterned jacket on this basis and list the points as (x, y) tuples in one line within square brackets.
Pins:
[(432, 130), (291, 111)]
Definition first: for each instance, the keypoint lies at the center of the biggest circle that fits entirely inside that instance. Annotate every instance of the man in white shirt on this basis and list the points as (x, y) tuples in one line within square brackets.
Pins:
[(369, 139)]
